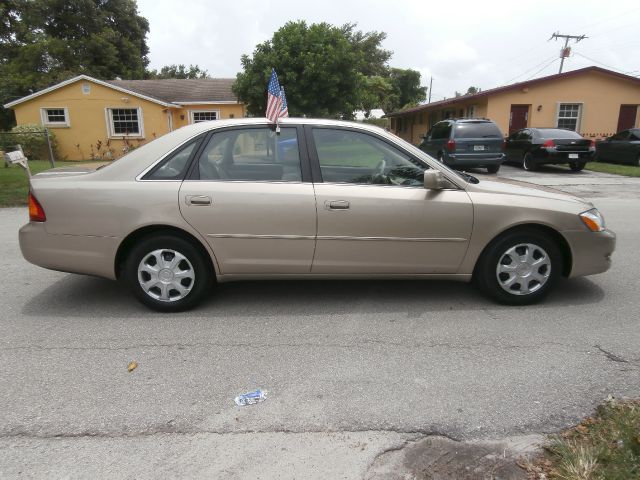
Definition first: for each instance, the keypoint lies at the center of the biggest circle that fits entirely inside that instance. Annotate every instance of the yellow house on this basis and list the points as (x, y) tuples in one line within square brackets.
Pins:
[(100, 119), (592, 101)]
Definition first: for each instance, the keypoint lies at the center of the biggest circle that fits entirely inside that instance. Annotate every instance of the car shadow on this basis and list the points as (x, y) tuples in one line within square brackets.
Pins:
[(81, 296)]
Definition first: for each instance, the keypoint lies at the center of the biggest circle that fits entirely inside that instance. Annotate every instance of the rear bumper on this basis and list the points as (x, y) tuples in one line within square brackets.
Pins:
[(591, 251), (69, 253), (553, 156), (474, 160)]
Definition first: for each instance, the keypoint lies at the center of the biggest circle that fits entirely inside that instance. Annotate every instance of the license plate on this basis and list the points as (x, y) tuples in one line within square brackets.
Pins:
[(574, 155), (478, 147)]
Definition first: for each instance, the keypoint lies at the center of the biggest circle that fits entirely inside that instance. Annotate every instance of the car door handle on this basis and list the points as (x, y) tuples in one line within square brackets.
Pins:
[(198, 200), (336, 205)]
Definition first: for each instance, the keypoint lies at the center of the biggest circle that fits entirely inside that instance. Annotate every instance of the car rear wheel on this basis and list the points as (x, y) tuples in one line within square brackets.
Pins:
[(493, 169), (519, 267), (576, 166), (168, 273), (527, 162)]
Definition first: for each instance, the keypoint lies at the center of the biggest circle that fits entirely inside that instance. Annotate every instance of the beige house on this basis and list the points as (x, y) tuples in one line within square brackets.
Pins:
[(94, 118), (593, 101)]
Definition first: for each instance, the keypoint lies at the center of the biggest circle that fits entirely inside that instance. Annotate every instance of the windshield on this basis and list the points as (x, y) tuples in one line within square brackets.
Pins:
[(477, 130)]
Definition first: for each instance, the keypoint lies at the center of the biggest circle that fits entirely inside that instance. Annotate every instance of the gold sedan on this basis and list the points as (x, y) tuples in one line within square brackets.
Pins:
[(236, 199)]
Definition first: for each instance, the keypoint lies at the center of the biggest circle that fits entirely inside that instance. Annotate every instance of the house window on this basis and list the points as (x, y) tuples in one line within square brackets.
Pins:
[(204, 116), (125, 122), (55, 117), (471, 111), (569, 116)]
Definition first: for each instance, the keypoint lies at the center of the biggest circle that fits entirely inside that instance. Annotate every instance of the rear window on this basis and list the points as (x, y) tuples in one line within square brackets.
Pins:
[(477, 130), (557, 133)]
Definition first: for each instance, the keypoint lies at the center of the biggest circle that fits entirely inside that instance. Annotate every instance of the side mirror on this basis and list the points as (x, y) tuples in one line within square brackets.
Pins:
[(434, 180)]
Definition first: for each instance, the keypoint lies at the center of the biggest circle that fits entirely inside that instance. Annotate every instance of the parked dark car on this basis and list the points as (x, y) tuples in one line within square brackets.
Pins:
[(532, 147), (466, 143), (623, 147)]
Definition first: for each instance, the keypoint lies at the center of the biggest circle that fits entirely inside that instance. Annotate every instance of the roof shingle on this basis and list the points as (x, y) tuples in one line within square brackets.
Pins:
[(182, 90)]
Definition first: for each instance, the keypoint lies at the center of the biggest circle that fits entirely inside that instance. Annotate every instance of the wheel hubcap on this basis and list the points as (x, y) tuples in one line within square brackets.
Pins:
[(166, 275), (523, 269)]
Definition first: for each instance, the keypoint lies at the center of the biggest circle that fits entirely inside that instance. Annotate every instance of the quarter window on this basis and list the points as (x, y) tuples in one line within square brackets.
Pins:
[(569, 116), (251, 154), (174, 167), (352, 157), (55, 117), (204, 116), (125, 122)]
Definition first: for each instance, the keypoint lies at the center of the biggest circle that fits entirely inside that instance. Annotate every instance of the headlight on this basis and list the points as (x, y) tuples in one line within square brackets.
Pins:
[(593, 219)]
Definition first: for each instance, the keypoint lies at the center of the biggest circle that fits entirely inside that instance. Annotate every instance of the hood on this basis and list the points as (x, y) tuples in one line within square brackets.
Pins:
[(507, 186)]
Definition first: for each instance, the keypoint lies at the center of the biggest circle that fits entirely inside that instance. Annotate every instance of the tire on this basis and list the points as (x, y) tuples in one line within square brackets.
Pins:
[(527, 282), (527, 162), (493, 169), (440, 158), (576, 166), (187, 277)]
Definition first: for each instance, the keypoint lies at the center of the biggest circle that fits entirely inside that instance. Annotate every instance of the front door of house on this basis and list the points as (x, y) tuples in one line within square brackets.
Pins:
[(627, 117), (519, 117)]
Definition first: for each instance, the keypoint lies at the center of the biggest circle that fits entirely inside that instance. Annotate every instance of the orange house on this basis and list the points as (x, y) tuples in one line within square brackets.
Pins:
[(592, 101), (101, 119)]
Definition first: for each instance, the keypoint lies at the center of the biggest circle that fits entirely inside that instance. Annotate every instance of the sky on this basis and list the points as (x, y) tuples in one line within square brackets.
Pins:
[(485, 44)]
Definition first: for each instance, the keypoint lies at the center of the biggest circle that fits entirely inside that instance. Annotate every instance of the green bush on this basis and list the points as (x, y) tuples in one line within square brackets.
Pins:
[(33, 140)]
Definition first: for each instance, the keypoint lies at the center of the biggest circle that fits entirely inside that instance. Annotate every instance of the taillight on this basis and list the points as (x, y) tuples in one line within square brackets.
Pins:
[(592, 145), (503, 147), (549, 144), (451, 145), (36, 212)]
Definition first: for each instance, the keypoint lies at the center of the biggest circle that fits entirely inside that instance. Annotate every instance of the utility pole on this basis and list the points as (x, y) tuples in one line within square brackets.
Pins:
[(430, 86), (566, 51)]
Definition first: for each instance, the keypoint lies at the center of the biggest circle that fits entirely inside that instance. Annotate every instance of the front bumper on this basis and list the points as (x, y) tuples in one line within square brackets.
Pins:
[(591, 251), (69, 253)]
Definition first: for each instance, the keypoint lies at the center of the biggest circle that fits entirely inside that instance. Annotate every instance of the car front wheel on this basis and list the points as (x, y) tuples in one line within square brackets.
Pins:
[(519, 267), (493, 169), (168, 273)]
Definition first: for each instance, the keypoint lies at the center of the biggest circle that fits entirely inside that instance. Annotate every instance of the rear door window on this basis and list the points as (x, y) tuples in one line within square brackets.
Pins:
[(251, 154)]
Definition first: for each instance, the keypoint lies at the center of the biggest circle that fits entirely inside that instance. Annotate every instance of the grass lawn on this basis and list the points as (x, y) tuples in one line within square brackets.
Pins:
[(626, 170), (604, 446), (13, 181)]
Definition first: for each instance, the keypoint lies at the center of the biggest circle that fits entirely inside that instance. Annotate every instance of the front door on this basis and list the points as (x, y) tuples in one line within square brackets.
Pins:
[(374, 214), (518, 118), (247, 197), (627, 117)]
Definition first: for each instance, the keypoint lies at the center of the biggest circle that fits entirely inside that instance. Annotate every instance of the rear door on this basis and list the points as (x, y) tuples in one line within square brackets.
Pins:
[(249, 194), (374, 214)]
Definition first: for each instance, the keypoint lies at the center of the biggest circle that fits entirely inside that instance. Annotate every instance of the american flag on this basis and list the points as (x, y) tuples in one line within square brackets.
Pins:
[(274, 102), (284, 111)]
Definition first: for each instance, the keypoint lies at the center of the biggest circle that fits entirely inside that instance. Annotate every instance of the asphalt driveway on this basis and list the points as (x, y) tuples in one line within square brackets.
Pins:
[(353, 369)]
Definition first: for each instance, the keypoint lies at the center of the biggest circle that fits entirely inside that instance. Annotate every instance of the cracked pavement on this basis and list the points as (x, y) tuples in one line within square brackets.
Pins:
[(353, 369)]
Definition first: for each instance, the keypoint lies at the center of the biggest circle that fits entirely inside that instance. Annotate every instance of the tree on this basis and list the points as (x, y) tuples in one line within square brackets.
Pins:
[(472, 90), (325, 70), (406, 85), (43, 42), (178, 71)]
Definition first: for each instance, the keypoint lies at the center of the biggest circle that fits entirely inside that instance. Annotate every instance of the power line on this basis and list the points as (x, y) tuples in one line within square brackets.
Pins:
[(566, 51), (532, 68), (542, 69), (603, 64)]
